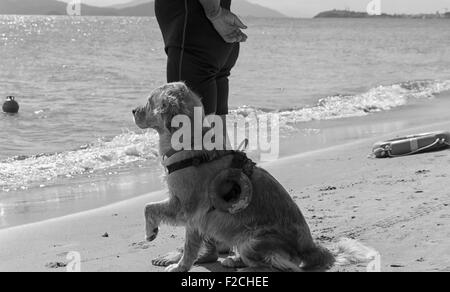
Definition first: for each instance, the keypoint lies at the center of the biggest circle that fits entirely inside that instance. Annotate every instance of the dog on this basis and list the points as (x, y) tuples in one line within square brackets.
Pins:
[(270, 233)]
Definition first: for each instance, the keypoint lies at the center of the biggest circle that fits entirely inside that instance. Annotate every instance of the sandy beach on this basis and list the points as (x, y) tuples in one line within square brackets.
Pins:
[(400, 207), (79, 160)]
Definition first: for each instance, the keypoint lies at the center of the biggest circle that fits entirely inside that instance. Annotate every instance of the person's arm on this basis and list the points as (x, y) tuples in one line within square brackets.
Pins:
[(227, 24), (211, 7)]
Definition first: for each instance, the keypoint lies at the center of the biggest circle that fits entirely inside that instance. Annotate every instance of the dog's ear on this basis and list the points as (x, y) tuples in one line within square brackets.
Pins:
[(174, 103), (170, 107)]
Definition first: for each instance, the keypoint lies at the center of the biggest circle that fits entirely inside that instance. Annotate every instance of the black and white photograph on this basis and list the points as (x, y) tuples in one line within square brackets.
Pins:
[(224, 136)]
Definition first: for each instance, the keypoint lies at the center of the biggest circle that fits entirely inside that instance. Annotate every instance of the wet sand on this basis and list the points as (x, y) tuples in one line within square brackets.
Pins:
[(85, 193), (398, 206)]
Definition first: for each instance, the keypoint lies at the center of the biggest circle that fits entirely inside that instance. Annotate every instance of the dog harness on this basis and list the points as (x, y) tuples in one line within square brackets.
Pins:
[(240, 161), (231, 190)]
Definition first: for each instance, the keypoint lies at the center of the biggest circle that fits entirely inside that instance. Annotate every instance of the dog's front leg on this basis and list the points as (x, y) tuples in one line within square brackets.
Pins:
[(166, 211), (191, 250)]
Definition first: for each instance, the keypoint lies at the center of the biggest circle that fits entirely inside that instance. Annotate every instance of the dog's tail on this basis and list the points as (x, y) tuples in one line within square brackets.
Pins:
[(349, 252), (345, 252), (317, 258)]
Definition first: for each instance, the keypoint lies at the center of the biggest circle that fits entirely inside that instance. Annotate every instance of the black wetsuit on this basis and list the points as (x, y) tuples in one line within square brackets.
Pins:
[(197, 54)]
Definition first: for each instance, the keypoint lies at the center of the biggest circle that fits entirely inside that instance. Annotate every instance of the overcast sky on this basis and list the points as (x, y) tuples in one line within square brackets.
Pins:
[(308, 8)]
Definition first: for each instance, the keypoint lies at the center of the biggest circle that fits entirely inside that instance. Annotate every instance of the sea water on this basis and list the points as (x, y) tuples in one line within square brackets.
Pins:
[(78, 78)]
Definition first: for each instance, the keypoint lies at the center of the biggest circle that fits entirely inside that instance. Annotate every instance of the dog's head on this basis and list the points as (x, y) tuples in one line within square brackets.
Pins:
[(164, 104)]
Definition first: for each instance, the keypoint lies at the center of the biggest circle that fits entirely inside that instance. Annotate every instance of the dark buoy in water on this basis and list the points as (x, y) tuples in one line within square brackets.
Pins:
[(10, 106)]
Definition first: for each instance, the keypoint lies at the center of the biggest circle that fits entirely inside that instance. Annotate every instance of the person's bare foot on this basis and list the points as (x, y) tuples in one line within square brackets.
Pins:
[(168, 259), (233, 262), (208, 254)]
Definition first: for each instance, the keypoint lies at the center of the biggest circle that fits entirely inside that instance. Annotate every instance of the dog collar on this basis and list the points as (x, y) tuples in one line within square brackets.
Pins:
[(194, 161)]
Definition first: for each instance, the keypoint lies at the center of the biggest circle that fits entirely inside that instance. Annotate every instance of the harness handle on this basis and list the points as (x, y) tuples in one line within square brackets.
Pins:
[(243, 146)]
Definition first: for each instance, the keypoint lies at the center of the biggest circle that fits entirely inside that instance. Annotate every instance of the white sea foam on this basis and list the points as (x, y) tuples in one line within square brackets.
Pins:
[(381, 98), (23, 172), (130, 147)]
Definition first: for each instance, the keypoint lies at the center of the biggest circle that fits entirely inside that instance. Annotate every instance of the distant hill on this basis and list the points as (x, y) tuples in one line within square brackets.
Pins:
[(30, 6), (143, 9), (341, 14), (133, 8), (241, 7), (245, 8), (47, 7), (130, 4), (353, 14)]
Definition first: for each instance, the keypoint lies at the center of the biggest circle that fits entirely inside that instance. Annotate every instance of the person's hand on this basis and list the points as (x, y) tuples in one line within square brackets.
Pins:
[(229, 26)]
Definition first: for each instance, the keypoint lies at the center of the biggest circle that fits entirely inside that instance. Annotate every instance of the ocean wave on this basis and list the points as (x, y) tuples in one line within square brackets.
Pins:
[(24, 172), (381, 98), (129, 147)]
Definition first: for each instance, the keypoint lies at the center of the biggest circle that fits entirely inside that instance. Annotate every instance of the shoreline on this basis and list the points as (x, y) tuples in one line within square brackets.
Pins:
[(159, 194), (156, 192), (393, 205), (31, 206)]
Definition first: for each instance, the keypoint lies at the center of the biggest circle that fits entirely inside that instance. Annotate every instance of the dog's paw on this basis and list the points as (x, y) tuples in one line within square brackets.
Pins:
[(176, 268), (152, 233), (233, 263)]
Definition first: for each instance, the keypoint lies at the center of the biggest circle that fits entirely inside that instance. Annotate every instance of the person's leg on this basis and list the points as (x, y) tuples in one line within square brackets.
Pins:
[(183, 65), (222, 81), (198, 66), (223, 89), (209, 253)]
